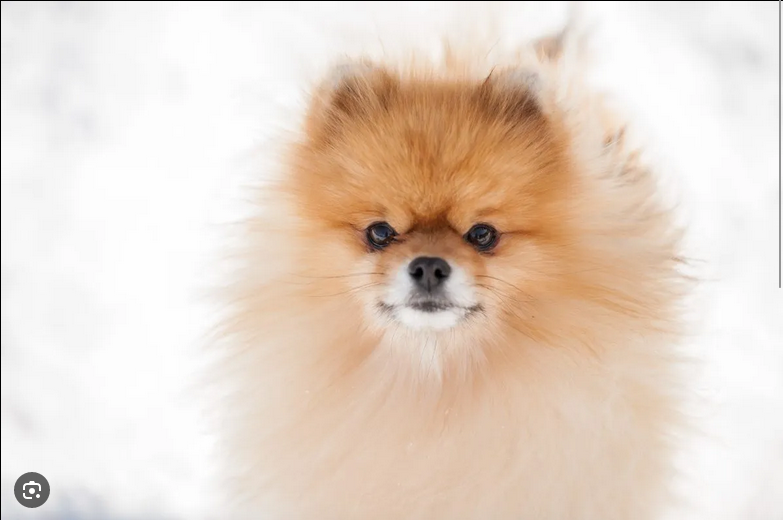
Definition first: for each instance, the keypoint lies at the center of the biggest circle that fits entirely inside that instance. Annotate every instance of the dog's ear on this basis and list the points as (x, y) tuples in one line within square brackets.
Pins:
[(360, 87), (351, 91), (571, 45), (513, 94), (550, 48), (517, 92)]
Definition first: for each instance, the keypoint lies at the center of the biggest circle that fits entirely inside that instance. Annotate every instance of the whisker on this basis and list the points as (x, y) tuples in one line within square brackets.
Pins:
[(502, 295), (315, 279), (504, 304), (525, 334), (352, 289), (491, 291), (337, 276), (499, 280)]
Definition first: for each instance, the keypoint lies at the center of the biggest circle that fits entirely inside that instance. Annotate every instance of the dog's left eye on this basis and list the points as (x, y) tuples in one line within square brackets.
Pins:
[(482, 236), (380, 235)]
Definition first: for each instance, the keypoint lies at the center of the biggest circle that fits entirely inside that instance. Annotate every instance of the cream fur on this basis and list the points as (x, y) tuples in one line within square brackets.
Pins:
[(562, 406)]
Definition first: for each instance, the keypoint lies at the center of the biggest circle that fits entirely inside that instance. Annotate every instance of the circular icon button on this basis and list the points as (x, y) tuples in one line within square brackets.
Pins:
[(31, 490)]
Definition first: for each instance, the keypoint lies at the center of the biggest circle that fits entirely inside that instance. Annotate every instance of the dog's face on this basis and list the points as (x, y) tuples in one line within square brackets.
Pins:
[(437, 205)]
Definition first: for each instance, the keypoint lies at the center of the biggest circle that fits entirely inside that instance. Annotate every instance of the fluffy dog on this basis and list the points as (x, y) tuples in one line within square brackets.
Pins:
[(459, 301)]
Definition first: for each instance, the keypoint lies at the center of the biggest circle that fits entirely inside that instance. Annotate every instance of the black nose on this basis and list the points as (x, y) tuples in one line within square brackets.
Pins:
[(429, 273)]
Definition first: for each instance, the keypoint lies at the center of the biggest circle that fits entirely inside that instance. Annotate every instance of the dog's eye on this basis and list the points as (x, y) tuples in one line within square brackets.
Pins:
[(380, 235), (482, 236)]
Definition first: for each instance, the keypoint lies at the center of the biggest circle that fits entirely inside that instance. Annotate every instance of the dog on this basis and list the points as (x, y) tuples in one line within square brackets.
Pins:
[(459, 300)]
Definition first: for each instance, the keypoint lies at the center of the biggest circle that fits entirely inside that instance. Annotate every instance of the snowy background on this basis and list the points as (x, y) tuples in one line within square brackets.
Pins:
[(127, 132)]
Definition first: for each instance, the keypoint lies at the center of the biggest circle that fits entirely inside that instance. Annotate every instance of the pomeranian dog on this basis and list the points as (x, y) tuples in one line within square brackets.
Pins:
[(460, 300)]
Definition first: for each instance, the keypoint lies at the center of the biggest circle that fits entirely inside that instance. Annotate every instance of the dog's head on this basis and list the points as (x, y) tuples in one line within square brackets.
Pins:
[(461, 207)]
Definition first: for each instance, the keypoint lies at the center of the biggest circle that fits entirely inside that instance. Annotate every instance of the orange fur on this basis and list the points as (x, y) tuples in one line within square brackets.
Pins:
[(556, 402)]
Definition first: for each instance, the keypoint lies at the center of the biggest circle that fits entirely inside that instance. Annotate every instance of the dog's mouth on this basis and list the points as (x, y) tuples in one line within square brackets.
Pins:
[(428, 314), (431, 306)]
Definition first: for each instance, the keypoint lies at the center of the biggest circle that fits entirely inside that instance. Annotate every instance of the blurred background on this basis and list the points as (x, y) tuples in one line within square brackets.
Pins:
[(129, 131)]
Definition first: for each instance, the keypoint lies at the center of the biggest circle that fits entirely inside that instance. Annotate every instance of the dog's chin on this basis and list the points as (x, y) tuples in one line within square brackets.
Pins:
[(428, 315)]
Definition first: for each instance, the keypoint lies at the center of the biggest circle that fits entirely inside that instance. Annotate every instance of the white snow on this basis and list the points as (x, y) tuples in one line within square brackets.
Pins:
[(128, 133)]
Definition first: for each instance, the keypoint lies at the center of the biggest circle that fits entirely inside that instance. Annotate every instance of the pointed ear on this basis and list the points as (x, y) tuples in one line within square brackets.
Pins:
[(512, 94), (518, 91), (550, 48), (352, 91), (363, 89), (572, 42)]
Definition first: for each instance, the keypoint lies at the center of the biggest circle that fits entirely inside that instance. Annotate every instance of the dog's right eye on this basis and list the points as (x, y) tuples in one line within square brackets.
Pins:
[(380, 235), (482, 236)]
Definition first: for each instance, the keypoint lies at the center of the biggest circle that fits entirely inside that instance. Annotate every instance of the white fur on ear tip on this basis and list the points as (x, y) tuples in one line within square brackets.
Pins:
[(519, 77), (346, 71)]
